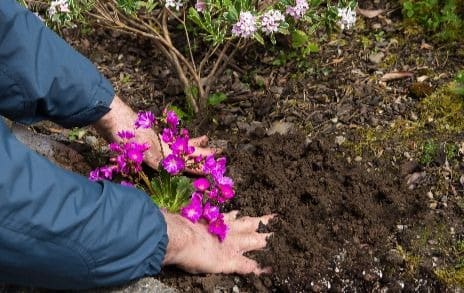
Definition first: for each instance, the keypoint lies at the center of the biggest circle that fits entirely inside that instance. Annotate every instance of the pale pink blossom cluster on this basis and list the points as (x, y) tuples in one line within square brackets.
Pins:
[(246, 26), (271, 20), (58, 6), (200, 6), (299, 10)]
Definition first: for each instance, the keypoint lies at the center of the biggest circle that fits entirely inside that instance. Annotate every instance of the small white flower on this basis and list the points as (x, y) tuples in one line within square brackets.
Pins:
[(271, 20), (347, 18), (177, 4), (58, 6)]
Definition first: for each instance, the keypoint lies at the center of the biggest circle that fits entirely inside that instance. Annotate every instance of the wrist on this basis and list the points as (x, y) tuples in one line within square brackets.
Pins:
[(180, 234)]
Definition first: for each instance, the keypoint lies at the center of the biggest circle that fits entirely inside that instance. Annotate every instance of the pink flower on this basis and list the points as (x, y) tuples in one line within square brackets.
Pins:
[(145, 120), (227, 191), (107, 172), (168, 135), (95, 175), (218, 228), (125, 134), (173, 164), (299, 10), (135, 155), (213, 193), (127, 183), (114, 147), (246, 26), (200, 6), (271, 20), (201, 184), (171, 119), (210, 212), (180, 146), (192, 211)]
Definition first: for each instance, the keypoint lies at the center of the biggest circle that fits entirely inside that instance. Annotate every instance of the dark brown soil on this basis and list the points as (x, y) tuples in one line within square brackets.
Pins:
[(347, 220)]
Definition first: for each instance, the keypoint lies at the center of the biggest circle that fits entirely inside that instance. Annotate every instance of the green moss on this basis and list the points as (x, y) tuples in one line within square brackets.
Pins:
[(440, 113), (454, 275), (443, 111)]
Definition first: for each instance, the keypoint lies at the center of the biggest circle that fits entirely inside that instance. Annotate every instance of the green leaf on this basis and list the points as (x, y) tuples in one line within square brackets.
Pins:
[(216, 99), (259, 38), (312, 47), (179, 112), (299, 38)]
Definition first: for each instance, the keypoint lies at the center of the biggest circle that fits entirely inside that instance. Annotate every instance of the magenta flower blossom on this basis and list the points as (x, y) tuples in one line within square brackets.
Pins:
[(135, 155), (115, 147), (200, 6), (127, 183), (210, 212), (299, 10), (192, 211), (227, 192), (218, 228), (172, 120), (145, 120), (95, 175), (198, 196), (168, 135), (246, 26), (173, 164), (125, 134), (180, 146), (213, 193), (271, 20), (201, 184), (107, 172), (224, 181), (121, 164)]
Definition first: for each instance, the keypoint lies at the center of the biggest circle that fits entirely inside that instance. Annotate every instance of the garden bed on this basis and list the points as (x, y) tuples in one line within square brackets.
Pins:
[(322, 143)]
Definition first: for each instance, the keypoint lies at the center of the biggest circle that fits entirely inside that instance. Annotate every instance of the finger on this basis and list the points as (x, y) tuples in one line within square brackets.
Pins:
[(201, 141), (201, 151), (230, 216), (241, 265), (255, 241), (251, 224)]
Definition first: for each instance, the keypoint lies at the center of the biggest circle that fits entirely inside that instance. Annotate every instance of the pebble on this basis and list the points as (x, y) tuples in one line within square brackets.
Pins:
[(430, 195), (376, 58), (433, 205), (235, 289), (340, 140), (91, 140), (358, 158), (280, 127)]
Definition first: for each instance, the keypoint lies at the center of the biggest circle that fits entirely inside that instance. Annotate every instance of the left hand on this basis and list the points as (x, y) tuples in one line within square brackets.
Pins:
[(122, 117)]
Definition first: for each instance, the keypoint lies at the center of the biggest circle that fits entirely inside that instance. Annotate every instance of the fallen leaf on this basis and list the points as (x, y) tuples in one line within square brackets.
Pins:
[(396, 75), (426, 46), (336, 61), (369, 13)]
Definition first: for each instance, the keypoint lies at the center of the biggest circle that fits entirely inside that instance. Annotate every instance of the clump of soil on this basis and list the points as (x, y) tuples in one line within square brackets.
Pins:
[(337, 220)]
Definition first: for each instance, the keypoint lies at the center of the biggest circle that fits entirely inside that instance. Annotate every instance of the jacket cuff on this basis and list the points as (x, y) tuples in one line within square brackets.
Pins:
[(102, 97)]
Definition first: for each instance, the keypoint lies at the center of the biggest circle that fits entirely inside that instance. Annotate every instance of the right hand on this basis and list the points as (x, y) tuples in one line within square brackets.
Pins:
[(192, 248)]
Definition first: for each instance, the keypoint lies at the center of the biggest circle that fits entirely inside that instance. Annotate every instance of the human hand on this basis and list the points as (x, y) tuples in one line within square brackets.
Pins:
[(122, 117), (192, 248)]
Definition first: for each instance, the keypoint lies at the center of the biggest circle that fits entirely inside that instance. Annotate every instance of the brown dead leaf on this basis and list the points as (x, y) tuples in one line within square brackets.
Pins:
[(369, 13), (426, 46), (396, 75), (336, 61)]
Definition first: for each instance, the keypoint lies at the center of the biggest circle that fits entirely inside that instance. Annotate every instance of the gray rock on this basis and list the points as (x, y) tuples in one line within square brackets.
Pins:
[(144, 285), (280, 127)]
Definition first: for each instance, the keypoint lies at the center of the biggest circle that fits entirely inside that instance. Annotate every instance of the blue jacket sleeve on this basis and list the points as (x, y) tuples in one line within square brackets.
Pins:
[(59, 230), (42, 77)]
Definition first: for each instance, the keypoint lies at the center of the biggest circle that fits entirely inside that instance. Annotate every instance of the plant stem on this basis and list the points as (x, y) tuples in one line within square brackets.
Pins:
[(147, 182)]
